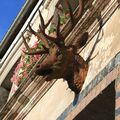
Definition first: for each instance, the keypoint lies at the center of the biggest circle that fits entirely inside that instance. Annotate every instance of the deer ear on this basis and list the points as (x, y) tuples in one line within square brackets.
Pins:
[(83, 39)]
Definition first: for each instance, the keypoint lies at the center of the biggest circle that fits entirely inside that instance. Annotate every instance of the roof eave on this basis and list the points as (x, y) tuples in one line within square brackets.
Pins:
[(17, 25)]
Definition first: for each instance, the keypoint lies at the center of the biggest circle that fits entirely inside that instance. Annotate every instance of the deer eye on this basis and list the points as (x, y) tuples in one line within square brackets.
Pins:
[(58, 52)]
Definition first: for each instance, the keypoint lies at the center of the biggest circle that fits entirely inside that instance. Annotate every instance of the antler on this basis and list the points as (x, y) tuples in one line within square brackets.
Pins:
[(80, 10), (58, 40), (34, 51), (42, 28), (43, 25), (40, 36), (81, 4)]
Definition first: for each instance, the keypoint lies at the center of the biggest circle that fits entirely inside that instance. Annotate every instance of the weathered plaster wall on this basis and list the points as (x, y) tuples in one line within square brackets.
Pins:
[(106, 49), (59, 97), (53, 103)]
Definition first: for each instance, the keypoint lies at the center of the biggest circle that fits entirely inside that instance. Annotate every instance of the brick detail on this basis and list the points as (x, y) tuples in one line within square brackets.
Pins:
[(117, 112), (117, 94), (117, 103), (117, 118), (118, 87)]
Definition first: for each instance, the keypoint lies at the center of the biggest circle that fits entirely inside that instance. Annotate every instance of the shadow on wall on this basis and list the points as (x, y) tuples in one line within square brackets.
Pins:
[(118, 3), (99, 37)]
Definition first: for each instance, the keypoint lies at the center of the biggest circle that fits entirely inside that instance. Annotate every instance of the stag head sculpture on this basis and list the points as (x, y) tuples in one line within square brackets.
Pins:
[(62, 60)]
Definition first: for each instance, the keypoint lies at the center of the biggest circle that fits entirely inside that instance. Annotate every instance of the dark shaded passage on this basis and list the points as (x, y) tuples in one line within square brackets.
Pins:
[(102, 107)]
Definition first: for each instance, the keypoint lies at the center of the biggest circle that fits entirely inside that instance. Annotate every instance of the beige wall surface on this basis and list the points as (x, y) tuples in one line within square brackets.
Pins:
[(59, 96), (107, 47), (53, 103)]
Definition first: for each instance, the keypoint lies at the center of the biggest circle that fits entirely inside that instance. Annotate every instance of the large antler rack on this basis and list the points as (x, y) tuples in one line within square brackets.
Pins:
[(74, 17), (40, 36), (62, 61), (48, 40), (33, 51)]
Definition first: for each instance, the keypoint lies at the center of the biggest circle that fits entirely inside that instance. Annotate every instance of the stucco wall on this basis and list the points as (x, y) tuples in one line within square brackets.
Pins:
[(59, 96), (106, 49)]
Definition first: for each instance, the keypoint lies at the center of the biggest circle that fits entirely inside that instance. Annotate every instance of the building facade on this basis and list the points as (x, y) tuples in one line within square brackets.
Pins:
[(36, 99)]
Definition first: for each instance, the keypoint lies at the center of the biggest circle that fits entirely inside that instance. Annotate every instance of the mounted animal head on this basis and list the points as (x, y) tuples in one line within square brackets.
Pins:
[(62, 60)]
